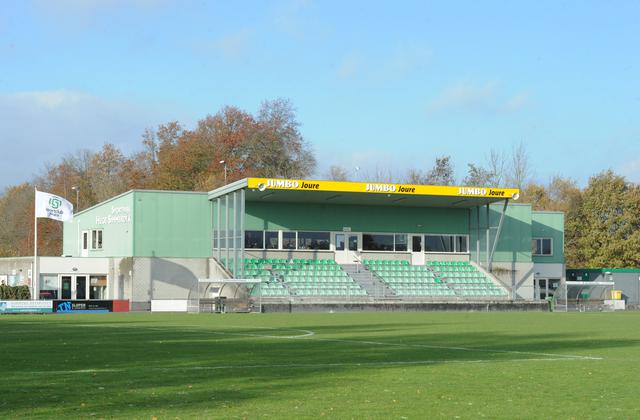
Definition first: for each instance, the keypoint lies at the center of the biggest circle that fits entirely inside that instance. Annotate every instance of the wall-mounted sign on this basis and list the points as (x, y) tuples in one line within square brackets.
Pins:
[(118, 215), (263, 184)]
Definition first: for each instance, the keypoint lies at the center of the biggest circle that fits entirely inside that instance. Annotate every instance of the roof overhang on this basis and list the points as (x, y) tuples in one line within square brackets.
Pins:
[(365, 193)]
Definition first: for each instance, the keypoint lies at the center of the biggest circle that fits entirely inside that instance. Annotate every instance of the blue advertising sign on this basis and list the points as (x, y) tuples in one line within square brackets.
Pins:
[(82, 306)]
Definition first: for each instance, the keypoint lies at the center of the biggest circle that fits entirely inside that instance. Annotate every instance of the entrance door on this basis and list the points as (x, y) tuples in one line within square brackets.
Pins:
[(346, 246), (541, 288), (65, 283), (417, 251), (85, 243), (81, 287)]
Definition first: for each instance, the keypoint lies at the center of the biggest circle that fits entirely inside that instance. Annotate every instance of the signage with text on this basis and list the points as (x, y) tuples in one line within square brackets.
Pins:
[(25, 306), (264, 184)]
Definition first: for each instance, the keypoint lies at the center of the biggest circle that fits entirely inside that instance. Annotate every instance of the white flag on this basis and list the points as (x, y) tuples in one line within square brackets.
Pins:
[(53, 207)]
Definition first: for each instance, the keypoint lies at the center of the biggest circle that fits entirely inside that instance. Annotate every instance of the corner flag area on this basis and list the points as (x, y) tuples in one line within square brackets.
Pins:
[(337, 365)]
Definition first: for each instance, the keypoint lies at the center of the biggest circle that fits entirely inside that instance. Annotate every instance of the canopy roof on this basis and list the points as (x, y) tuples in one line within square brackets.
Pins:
[(364, 193)]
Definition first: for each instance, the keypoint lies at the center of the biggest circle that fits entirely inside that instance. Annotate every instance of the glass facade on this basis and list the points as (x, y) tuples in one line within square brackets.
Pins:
[(228, 232)]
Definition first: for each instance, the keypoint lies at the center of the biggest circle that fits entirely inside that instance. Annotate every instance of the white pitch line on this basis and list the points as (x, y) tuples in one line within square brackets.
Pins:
[(302, 365), (426, 346)]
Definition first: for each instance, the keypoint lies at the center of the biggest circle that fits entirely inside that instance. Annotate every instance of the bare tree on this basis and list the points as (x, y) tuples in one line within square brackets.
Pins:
[(441, 173), (415, 176), (520, 170), (337, 173), (491, 175), (497, 163)]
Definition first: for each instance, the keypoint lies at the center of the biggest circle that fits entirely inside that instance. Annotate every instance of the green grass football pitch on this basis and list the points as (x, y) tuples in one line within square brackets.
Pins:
[(341, 365)]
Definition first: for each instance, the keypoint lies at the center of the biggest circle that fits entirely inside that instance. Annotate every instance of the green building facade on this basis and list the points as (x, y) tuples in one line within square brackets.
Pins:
[(142, 223)]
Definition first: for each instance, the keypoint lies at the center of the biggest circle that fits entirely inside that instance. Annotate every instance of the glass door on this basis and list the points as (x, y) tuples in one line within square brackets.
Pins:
[(65, 282), (346, 247), (81, 287)]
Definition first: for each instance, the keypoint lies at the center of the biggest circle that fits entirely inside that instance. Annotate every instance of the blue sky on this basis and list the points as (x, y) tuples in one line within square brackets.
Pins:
[(375, 84)]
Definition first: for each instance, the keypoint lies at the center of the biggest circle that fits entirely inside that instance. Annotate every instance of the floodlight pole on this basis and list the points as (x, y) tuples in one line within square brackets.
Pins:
[(222, 162), (77, 190)]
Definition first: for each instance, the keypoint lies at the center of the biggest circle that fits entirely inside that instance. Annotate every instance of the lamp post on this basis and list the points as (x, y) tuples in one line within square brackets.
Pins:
[(222, 162), (77, 190)]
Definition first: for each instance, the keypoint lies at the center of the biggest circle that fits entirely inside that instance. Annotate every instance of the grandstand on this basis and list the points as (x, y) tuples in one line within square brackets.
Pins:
[(373, 241)]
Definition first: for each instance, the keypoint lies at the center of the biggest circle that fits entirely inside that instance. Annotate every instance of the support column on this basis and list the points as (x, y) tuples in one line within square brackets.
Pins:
[(242, 198), (226, 231), (488, 235), (219, 225), (478, 235), (498, 231)]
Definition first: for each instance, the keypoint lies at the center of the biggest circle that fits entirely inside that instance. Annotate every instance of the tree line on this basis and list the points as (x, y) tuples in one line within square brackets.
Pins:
[(602, 223)]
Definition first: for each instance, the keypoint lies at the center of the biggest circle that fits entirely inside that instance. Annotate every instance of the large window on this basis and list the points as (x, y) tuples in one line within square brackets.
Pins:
[(271, 240), (401, 242), (439, 243), (254, 239), (313, 240), (446, 243), (96, 239), (377, 242), (542, 247), (288, 240)]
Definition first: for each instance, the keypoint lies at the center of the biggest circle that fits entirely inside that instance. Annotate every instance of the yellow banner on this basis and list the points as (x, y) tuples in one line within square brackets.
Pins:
[(264, 184)]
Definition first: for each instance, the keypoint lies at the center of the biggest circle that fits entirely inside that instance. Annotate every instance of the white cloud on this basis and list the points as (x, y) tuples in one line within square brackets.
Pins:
[(41, 126), (485, 97)]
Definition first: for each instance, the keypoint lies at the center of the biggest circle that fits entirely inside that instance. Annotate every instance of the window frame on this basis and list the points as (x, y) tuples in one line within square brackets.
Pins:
[(295, 240), (245, 239), (313, 249), (455, 237), (541, 239), (95, 242)]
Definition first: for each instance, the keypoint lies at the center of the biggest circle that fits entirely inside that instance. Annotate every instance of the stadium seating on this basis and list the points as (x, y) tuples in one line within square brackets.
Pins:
[(437, 279), (409, 280), (465, 279), (302, 277)]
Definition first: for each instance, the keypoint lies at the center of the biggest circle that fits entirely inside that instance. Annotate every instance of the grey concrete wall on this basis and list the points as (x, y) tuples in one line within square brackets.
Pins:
[(516, 276), (289, 254), (392, 256), (406, 307), (431, 256)]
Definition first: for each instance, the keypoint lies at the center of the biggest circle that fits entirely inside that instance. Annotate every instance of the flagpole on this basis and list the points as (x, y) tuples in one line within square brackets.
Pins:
[(34, 275)]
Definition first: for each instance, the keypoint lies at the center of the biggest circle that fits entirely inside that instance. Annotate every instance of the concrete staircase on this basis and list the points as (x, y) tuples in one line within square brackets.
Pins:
[(374, 287)]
